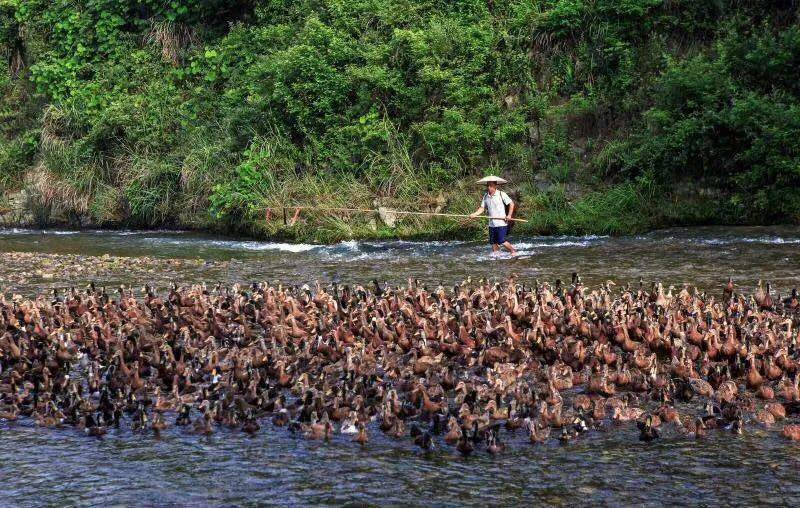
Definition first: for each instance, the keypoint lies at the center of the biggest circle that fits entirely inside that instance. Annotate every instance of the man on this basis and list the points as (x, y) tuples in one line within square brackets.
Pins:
[(494, 205)]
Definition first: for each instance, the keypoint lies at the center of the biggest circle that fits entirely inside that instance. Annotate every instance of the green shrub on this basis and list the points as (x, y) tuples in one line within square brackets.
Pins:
[(204, 112)]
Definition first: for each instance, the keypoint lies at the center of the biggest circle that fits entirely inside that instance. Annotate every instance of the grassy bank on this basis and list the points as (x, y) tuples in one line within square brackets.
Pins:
[(607, 116), (627, 208), (624, 209)]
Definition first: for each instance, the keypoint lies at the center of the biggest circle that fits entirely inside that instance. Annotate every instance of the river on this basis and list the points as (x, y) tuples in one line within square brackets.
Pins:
[(63, 467)]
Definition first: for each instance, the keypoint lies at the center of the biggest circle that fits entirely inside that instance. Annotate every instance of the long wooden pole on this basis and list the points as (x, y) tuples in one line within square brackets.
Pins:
[(437, 214), (397, 212)]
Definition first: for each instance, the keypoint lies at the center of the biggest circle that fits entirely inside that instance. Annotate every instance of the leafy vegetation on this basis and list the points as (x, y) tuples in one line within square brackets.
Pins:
[(608, 115)]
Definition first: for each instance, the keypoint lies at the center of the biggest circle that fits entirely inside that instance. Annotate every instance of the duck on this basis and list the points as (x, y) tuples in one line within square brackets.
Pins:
[(318, 430), (581, 423), (467, 363), (50, 417), (158, 424), (727, 292), (776, 409), (566, 436), (494, 446), (398, 429), (202, 425), (537, 434), (765, 418), (348, 425), (453, 433), (736, 426), (281, 418), (698, 429), (92, 428), (184, 417), (9, 413), (361, 437), (791, 432), (250, 425), (792, 302), (647, 432), (464, 445), (422, 438)]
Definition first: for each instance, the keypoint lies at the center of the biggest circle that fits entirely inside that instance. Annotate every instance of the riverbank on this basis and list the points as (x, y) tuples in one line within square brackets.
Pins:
[(607, 118), (549, 208)]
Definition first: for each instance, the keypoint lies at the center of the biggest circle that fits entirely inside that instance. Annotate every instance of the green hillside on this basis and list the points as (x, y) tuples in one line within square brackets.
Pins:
[(608, 116)]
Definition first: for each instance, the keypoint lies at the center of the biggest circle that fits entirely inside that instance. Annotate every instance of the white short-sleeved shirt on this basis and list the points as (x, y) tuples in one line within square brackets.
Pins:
[(495, 206)]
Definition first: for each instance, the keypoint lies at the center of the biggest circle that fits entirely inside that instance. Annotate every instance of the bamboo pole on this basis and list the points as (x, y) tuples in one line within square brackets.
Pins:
[(437, 214), (387, 210)]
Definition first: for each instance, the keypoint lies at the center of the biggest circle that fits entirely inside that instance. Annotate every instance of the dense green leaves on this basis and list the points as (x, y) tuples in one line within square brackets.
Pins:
[(724, 118), (168, 110)]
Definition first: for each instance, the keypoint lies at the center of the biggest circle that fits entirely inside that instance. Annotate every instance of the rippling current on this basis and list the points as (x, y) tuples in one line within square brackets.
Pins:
[(63, 467)]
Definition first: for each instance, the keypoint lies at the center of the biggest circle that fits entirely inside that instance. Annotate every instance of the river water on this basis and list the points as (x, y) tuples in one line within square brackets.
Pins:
[(63, 467)]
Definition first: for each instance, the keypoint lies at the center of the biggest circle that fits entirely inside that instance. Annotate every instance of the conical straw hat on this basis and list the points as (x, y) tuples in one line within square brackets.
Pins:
[(491, 178)]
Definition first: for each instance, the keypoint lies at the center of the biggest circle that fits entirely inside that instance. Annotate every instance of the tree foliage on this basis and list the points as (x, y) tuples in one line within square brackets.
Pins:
[(160, 111)]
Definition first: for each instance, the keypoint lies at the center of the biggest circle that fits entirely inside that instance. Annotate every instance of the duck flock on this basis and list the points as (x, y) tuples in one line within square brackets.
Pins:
[(463, 367), (29, 269)]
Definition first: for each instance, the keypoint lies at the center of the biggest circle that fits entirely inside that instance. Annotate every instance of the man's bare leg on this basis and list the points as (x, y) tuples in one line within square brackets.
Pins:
[(510, 248), (495, 247)]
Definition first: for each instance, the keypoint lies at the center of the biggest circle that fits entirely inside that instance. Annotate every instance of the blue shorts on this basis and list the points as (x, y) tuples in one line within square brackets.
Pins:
[(498, 234)]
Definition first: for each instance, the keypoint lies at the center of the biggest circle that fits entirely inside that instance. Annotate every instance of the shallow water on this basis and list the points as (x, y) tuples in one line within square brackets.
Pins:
[(39, 466), (704, 257), (612, 468)]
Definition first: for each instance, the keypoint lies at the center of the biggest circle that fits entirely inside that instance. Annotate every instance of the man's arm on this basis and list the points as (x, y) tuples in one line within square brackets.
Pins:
[(510, 213), (478, 212)]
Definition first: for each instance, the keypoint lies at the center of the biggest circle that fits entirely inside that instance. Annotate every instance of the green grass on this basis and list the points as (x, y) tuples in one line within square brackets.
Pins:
[(617, 210)]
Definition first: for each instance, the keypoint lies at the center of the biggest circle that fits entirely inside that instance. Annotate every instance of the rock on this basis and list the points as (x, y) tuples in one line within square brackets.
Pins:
[(441, 201), (574, 191), (28, 207), (15, 210), (387, 216), (542, 182)]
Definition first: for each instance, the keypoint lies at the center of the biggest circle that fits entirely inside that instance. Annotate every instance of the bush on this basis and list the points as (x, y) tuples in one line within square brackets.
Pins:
[(203, 112), (718, 118)]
